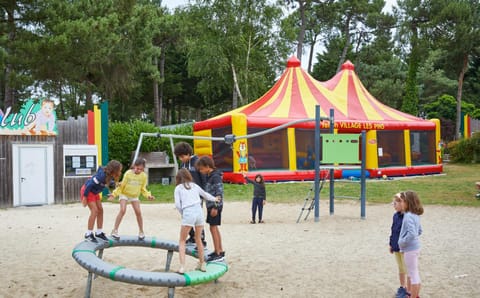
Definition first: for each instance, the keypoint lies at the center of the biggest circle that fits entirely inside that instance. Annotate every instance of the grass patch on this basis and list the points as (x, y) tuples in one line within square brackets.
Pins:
[(455, 188)]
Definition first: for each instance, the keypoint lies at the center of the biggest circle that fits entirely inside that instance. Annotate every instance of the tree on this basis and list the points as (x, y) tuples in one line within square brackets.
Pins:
[(413, 16), (16, 19), (233, 48), (457, 30)]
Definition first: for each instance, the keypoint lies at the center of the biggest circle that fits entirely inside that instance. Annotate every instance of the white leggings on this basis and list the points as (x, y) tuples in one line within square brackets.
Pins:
[(411, 261)]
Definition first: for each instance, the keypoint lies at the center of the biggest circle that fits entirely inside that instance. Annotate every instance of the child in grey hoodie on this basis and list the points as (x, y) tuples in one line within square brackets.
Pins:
[(408, 241)]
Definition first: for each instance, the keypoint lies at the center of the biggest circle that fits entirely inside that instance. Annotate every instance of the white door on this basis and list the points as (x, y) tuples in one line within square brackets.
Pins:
[(33, 174)]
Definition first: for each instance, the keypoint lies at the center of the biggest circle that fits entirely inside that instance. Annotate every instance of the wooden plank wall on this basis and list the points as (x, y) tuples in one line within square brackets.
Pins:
[(6, 167), (70, 132)]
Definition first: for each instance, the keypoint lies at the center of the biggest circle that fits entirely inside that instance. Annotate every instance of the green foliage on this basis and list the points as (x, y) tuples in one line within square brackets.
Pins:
[(123, 139), (444, 107), (466, 150), (433, 79)]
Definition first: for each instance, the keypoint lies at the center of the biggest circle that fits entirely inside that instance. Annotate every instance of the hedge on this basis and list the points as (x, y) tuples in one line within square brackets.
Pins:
[(123, 139)]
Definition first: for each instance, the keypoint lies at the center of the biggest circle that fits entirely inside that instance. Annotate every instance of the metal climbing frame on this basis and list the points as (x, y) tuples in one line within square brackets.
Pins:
[(230, 139), (309, 200), (317, 188)]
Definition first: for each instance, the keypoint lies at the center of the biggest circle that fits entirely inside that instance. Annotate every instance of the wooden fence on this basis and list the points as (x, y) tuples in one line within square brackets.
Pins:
[(71, 131)]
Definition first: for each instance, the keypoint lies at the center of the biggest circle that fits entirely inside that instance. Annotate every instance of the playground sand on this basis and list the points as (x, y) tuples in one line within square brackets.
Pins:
[(340, 256)]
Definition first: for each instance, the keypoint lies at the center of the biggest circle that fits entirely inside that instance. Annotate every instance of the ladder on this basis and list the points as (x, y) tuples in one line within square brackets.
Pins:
[(310, 200)]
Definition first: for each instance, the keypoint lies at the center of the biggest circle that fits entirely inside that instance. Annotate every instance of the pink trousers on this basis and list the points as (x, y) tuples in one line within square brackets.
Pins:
[(411, 261)]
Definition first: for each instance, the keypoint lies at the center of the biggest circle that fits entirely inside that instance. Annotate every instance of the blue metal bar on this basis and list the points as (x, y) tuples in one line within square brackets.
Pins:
[(317, 164), (363, 184)]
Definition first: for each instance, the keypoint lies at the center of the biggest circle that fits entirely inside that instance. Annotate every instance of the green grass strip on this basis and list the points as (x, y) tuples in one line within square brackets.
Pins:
[(188, 281), (114, 271), (154, 242)]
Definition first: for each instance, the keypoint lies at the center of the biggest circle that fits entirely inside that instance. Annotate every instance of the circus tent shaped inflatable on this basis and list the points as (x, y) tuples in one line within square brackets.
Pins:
[(397, 143)]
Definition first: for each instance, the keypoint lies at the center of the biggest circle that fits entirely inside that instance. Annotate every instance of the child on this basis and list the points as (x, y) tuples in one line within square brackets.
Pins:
[(187, 201), (133, 183), (213, 186), (90, 196), (394, 249), (259, 197), (184, 152), (408, 239)]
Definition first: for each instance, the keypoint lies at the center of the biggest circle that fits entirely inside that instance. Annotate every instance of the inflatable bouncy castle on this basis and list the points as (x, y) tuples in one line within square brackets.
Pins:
[(397, 144)]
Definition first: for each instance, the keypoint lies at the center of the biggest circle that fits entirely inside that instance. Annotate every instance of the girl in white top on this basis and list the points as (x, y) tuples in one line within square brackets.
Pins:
[(188, 197)]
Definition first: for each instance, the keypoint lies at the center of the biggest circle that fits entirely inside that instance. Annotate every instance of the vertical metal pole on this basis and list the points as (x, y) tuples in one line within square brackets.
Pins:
[(363, 186), (139, 144), (100, 256), (169, 260), (174, 158), (317, 164), (88, 289), (332, 171), (171, 292)]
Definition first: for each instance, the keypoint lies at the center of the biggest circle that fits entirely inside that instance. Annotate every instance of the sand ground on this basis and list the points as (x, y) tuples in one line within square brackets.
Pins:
[(340, 256)]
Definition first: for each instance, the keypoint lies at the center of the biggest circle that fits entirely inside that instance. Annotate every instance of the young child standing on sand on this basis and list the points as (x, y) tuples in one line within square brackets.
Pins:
[(133, 184), (259, 197), (187, 201), (408, 239), (394, 249), (90, 193), (184, 152), (214, 186)]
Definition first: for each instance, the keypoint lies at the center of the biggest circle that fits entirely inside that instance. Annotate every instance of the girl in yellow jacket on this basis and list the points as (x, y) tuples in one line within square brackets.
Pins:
[(133, 184)]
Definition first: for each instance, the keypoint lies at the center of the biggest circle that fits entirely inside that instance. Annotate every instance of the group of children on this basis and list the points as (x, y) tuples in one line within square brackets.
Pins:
[(196, 180), (404, 242)]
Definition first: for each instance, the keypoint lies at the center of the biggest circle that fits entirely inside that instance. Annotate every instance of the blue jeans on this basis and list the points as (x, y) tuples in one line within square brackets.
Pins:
[(257, 203)]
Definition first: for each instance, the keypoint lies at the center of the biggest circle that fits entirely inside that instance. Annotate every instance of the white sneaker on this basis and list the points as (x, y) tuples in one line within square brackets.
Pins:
[(181, 270), (141, 236), (201, 267), (115, 235)]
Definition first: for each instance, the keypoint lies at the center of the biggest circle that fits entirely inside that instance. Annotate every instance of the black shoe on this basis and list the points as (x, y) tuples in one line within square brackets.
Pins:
[(219, 258), (91, 238), (211, 257), (101, 236), (204, 244)]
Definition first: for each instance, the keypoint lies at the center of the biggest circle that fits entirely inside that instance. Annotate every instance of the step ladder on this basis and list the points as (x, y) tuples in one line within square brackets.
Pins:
[(310, 198)]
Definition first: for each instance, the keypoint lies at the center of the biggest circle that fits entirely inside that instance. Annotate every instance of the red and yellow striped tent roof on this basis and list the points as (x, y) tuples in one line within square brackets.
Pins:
[(361, 104), (296, 93)]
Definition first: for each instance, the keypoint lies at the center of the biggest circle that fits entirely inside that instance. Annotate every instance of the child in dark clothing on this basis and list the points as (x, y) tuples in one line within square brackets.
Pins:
[(184, 152), (214, 186), (394, 249), (90, 194), (259, 197)]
